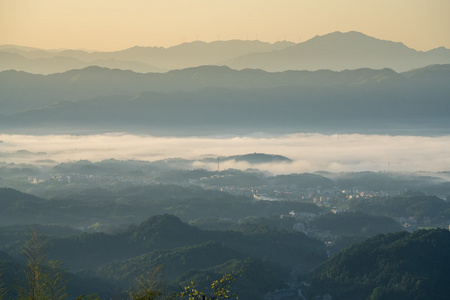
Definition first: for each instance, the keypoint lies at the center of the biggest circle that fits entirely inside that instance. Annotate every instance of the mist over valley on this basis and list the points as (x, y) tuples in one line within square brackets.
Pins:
[(307, 152)]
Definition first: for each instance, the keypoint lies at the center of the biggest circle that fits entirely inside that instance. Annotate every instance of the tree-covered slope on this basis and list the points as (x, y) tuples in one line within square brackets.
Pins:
[(305, 180), (418, 206), (258, 278), (72, 205), (392, 266), (165, 232), (355, 224), (173, 263)]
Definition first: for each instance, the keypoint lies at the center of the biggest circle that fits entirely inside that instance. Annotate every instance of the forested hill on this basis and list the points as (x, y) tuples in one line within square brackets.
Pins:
[(82, 208), (165, 232), (393, 266)]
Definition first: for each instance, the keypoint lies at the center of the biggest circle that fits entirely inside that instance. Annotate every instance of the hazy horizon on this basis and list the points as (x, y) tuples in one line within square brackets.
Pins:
[(213, 41), (115, 25)]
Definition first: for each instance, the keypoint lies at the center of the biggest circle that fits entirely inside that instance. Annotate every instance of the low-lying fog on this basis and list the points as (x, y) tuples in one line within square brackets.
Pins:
[(309, 152)]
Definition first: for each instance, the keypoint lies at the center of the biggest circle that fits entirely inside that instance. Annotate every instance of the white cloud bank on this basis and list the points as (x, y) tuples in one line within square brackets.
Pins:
[(310, 152)]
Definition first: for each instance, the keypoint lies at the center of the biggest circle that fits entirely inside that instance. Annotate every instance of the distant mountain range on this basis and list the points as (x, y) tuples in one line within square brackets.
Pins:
[(222, 88), (212, 100), (339, 51), (138, 59), (334, 51), (20, 91)]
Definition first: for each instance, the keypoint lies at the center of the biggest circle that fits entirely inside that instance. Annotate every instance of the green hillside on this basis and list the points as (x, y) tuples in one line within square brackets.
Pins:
[(393, 266)]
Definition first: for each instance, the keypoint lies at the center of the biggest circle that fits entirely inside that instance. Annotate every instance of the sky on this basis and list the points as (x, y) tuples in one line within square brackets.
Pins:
[(110, 25)]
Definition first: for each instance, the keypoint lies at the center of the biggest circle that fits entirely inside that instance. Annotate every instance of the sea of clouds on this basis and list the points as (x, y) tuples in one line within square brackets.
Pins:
[(309, 152)]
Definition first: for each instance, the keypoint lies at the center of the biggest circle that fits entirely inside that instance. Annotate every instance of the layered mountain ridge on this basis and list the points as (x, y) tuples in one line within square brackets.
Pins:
[(211, 99), (335, 51)]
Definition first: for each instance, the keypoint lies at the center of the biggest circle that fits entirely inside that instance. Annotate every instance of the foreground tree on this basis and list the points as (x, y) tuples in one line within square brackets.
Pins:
[(147, 287), (88, 297), (55, 284), (2, 288), (220, 289), (44, 280), (150, 288)]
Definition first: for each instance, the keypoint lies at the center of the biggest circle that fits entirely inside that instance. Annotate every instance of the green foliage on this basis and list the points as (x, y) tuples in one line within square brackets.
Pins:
[(304, 180), (345, 241), (56, 280), (417, 206), (78, 205), (170, 263), (383, 181), (212, 224), (43, 280), (355, 223), (220, 289), (165, 240), (261, 225), (90, 251), (248, 225), (387, 267), (34, 250), (147, 287), (88, 297), (2, 288), (259, 278)]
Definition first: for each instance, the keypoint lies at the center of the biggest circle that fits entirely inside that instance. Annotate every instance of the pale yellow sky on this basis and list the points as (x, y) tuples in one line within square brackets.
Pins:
[(114, 25)]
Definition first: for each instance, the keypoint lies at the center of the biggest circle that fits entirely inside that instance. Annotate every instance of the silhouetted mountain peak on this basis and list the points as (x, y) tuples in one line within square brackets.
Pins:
[(352, 41), (23, 48), (337, 35), (259, 158), (96, 71), (440, 50), (139, 49), (339, 51)]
